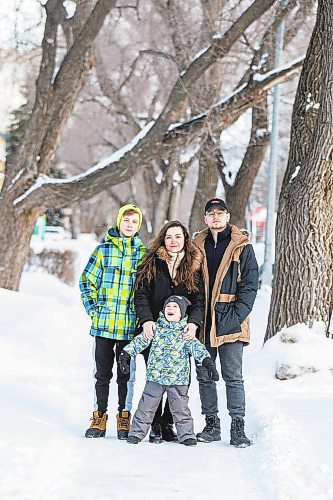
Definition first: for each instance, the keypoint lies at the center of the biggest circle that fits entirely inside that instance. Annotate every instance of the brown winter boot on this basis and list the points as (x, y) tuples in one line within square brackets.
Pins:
[(98, 425), (123, 424)]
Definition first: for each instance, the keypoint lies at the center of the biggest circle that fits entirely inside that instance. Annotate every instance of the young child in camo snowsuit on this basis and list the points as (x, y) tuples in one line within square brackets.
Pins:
[(168, 370)]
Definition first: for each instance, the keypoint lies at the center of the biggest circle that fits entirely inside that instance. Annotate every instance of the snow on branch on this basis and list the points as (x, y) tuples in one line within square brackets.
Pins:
[(261, 77), (246, 91), (115, 157)]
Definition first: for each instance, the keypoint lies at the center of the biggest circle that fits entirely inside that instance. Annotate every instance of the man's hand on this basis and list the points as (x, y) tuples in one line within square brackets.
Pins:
[(124, 362), (148, 330), (189, 331), (209, 364)]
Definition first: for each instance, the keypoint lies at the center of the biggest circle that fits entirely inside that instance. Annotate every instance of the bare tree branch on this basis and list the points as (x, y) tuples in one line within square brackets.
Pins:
[(42, 133), (159, 53), (110, 91), (229, 110), (122, 168)]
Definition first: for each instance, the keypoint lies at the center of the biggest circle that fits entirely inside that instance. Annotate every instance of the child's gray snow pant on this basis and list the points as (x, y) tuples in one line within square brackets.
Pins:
[(150, 399)]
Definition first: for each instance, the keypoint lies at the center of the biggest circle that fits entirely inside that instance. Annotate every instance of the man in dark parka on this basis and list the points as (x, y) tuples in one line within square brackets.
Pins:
[(230, 273)]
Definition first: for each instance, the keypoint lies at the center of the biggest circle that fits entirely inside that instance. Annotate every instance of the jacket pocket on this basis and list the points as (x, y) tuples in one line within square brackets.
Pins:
[(226, 319), (102, 318)]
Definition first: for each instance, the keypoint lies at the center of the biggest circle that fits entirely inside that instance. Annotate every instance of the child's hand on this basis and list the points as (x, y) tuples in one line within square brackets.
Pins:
[(124, 362), (209, 364), (189, 331), (148, 330)]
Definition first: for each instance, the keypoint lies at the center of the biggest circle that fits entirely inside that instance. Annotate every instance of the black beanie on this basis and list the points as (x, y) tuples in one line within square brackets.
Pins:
[(183, 303)]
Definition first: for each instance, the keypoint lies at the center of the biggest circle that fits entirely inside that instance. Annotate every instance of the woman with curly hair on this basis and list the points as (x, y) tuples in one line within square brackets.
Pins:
[(172, 266)]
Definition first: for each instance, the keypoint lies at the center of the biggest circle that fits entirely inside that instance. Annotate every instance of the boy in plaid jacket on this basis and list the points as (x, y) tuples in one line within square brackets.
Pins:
[(106, 286), (168, 370)]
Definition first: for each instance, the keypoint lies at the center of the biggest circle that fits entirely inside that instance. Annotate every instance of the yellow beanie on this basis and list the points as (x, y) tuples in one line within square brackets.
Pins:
[(124, 209)]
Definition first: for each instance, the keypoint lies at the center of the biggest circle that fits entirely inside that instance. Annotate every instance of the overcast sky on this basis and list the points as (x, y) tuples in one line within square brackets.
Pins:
[(20, 23)]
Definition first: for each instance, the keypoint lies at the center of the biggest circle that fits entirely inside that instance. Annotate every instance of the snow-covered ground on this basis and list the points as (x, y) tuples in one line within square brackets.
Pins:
[(46, 389)]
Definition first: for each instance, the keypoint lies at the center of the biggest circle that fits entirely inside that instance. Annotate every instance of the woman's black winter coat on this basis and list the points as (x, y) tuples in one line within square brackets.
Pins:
[(149, 298)]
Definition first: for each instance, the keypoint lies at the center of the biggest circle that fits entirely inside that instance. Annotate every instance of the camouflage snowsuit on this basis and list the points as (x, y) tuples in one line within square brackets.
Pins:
[(168, 370)]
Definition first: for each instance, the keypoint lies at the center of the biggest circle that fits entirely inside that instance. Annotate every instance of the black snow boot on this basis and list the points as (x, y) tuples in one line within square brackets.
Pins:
[(212, 430), (155, 435), (237, 434), (168, 433), (133, 440), (189, 442)]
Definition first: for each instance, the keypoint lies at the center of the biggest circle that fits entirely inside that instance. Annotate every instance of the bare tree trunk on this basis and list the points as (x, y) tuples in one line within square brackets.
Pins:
[(302, 289), (209, 160), (237, 195), (163, 202), (175, 200), (16, 229), (75, 221)]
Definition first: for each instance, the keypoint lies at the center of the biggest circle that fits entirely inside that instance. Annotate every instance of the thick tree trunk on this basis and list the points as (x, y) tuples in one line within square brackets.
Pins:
[(16, 229), (302, 289)]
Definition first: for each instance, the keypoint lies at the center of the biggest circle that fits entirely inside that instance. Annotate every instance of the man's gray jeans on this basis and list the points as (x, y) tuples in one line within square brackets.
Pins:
[(231, 359)]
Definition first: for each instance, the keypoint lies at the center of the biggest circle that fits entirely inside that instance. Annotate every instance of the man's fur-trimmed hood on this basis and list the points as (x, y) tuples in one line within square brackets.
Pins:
[(238, 237)]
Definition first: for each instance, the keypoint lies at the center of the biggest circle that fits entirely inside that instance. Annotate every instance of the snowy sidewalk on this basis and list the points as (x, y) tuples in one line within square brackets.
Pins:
[(47, 394)]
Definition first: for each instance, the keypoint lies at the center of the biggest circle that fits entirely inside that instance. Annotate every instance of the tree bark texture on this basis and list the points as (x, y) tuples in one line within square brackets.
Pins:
[(163, 202), (55, 99), (209, 160), (302, 288), (16, 230), (238, 194)]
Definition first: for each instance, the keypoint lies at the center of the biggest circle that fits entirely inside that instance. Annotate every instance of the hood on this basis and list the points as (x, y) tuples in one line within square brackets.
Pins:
[(196, 257), (238, 237), (173, 325), (114, 236)]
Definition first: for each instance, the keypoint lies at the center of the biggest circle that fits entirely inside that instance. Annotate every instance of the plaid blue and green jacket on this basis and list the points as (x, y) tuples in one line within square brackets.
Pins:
[(107, 283), (168, 362)]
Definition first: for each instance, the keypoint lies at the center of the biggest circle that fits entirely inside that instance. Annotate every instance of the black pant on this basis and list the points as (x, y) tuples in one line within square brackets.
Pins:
[(160, 417), (106, 350)]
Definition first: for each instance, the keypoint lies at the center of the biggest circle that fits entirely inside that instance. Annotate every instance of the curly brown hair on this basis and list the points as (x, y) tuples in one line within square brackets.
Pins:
[(190, 263)]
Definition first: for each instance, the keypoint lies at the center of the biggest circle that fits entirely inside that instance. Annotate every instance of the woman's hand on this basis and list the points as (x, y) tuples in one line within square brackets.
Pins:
[(148, 330), (189, 332)]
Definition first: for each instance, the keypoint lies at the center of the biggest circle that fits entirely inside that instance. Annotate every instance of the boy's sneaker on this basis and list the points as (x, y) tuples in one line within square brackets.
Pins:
[(237, 435), (98, 425), (155, 435), (168, 433), (189, 442), (133, 440), (212, 430), (123, 424)]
